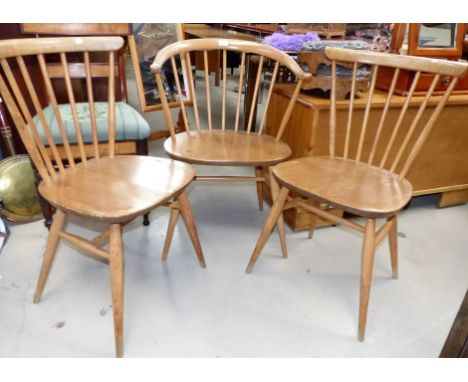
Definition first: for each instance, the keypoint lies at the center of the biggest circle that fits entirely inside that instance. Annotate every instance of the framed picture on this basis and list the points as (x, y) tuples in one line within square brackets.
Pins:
[(145, 42)]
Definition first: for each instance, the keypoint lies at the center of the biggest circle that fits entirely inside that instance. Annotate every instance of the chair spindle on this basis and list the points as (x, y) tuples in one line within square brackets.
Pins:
[(239, 91), (40, 112), (289, 109), (27, 116), (350, 111), (21, 126), (92, 114), (179, 92), (333, 111), (223, 122), (193, 94), (255, 94), (71, 100), (207, 85), (414, 123), (267, 103), (384, 115), (370, 95), (400, 119), (111, 104), (58, 116)]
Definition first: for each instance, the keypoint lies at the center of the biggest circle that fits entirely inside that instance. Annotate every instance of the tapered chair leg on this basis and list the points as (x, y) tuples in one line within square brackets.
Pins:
[(259, 174), (367, 262), (170, 232), (116, 266), (51, 249), (187, 215), (313, 220), (280, 224), (393, 242), (273, 217)]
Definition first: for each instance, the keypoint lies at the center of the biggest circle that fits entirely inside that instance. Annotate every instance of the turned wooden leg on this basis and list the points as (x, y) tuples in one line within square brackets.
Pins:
[(273, 217), (367, 262), (393, 242), (51, 249), (259, 174), (170, 232), (47, 209), (280, 224), (116, 267), (313, 220), (187, 215)]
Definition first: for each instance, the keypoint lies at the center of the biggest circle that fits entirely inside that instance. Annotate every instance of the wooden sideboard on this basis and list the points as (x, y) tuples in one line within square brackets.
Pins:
[(442, 166)]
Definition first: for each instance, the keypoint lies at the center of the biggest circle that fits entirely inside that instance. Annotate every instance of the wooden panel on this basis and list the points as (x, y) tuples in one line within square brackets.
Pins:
[(64, 29)]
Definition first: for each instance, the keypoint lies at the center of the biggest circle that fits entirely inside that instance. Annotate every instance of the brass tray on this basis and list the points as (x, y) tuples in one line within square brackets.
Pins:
[(19, 199)]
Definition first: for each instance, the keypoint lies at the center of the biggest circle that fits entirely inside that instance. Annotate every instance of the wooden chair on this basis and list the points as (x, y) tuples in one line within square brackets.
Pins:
[(370, 182), (132, 130), (108, 188), (228, 145)]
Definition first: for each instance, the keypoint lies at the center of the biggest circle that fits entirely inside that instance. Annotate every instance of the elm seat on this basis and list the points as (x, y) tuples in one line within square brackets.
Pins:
[(130, 125), (94, 188), (227, 148), (353, 186)]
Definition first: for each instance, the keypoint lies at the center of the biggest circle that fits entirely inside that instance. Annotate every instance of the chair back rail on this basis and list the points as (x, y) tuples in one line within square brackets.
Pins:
[(266, 56), (408, 134), (19, 90)]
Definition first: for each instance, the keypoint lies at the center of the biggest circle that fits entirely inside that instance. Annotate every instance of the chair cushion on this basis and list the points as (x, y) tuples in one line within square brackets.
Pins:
[(130, 125), (356, 187), (227, 148)]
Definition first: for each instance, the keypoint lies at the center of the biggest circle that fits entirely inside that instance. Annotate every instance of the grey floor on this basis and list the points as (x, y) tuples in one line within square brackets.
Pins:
[(305, 306)]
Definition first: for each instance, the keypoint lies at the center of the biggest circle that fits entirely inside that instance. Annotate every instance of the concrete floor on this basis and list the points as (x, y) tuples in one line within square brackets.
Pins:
[(305, 306)]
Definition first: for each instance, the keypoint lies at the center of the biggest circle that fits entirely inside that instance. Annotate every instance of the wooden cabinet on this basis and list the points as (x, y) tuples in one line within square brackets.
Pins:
[(442, 166)]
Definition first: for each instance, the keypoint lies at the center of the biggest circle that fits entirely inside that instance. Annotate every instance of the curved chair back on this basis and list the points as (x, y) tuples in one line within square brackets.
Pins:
[(393, 145), (265, 57), (19, 58)]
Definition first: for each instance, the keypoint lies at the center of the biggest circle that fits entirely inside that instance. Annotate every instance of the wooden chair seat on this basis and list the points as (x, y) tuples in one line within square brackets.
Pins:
[(227, 148), (356, 187), (117, 189)]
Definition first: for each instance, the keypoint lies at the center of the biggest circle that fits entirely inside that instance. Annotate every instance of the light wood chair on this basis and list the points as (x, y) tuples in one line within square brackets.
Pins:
[(132, 130), (220, 144), (108, 188), (368, 183)]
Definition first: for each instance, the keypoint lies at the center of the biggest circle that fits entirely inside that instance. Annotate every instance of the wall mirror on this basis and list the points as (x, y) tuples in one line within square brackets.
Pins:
[(144, 43), (436, 40)]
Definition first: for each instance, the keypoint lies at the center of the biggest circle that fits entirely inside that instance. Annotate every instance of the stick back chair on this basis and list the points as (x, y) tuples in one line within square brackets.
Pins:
[(132, 130), (220, 144), (110, 188), (365, 177)]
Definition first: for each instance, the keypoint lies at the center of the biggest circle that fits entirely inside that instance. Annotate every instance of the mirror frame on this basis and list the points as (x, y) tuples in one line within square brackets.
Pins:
[(144, 106), (415, 50)]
